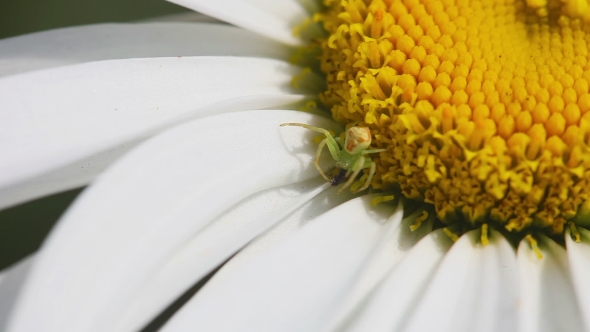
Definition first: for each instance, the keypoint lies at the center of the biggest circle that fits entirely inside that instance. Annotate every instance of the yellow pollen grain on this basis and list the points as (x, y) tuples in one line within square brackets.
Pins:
[(575, 234), (454, 237), (318, 139), (356, 185), (382, 199), (483, 106), (484, 235), (534, 246), (418, 222)]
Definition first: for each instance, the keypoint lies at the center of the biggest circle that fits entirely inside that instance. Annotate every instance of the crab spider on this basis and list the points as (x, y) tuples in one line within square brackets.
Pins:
[(349, 155)]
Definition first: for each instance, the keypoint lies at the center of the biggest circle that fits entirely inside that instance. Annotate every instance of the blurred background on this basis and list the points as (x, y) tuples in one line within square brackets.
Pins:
[(23, 227), (25, 16)]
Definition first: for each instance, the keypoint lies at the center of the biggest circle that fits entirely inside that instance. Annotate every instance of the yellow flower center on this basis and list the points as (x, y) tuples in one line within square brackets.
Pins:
[(483, 106)]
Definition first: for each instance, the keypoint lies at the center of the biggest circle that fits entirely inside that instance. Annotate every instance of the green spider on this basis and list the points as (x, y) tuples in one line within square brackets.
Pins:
[(349, 155)]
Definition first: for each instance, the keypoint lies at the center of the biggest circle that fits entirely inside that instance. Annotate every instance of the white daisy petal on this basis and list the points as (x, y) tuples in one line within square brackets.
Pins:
[(579, 256), (547, 298), (66, 124), (193, 17), (275, 19), (214, 244), (137, 216), (395, 298), (284, 230), (11, 281), (120, 41), (299, 284), (393, 243), (473, 289), (396, 242)]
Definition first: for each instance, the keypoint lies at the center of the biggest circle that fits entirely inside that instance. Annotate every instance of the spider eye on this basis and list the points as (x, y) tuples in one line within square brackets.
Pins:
[(357, 139)]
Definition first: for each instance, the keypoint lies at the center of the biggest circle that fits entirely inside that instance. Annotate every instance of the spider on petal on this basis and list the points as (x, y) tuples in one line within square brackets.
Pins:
[(350, 155)]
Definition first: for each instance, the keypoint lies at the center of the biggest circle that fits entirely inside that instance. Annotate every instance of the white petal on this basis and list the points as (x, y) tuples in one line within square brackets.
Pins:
[(547, 299), (185, 17), (275, 19), (473, 289), (579, 258), (397, 240), (215, 244), (137, 216), (396, 297), (299, 284), (11, 281), (281, 232), (121, 41), (63, 126)]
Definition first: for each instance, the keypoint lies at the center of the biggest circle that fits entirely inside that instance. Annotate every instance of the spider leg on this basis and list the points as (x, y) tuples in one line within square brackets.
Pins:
[(317, 159), (372, 169), (372, 151), (332, 144), (356, 169)]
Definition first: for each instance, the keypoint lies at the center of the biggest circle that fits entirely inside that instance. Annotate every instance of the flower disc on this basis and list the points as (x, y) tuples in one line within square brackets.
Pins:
[(483, 106)]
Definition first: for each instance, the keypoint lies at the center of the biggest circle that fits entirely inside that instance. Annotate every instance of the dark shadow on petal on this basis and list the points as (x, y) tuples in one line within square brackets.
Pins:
[(159, 321), (24, 227)]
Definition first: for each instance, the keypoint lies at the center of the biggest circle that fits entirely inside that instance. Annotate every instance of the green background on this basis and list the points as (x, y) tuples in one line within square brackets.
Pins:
[(24, 16), (22, 228)]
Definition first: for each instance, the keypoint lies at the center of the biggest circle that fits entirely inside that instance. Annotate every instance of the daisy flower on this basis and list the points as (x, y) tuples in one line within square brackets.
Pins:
[(477, 210)]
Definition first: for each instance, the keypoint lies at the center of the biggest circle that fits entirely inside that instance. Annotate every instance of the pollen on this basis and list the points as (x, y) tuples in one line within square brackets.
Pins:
[(483, 107)]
